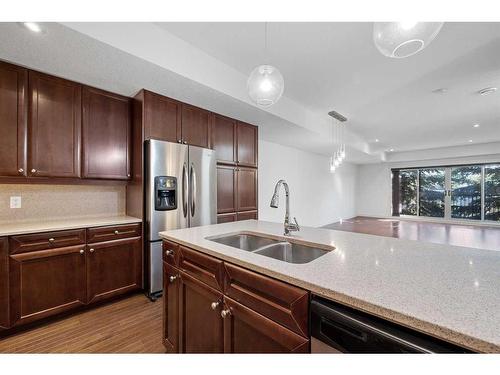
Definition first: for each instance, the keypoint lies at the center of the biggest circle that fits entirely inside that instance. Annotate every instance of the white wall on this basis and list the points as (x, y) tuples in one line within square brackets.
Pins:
[(317, 197), (374, 187)]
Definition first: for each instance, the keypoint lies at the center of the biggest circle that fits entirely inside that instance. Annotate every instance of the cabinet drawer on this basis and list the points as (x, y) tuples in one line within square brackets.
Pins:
[(202, 267), (113, 232), (170, 253), (48, 240), (280, 302)]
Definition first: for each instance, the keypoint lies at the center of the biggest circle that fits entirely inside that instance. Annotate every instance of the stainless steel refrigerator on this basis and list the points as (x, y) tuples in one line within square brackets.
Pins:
[(180, 192)]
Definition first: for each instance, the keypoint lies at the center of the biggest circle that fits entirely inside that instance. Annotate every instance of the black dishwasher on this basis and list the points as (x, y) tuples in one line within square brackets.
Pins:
[(336, 328)]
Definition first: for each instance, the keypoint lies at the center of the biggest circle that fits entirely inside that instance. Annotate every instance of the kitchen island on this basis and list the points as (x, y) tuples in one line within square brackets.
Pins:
[(448, 292)]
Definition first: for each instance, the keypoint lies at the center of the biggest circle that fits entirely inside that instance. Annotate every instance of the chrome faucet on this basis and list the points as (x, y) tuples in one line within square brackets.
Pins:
[(289, 227)]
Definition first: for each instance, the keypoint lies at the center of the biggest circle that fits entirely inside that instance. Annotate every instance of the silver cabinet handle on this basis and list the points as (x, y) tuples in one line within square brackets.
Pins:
[(33, 171), (173, 278), (169, 253), (82, 251), (192, 182), (91, 250), (116, 232), (225, 313), (214, 305), (20, 170), (185, 142), (179, 141), (51, 239), (184, 190)]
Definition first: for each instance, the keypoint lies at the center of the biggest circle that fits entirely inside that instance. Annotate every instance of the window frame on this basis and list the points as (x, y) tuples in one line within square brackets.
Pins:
[(395, 173)]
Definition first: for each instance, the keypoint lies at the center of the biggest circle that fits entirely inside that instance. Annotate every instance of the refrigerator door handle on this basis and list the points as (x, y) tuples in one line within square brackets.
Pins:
[(184, 190), (192, 183)]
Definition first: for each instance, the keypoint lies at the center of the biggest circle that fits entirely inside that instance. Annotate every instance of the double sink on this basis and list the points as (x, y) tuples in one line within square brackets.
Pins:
[(278, 248)]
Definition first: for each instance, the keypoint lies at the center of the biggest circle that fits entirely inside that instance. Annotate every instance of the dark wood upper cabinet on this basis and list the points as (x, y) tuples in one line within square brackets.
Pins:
[(247, 145), (196, 126), (46, 282), (201, 327), (106, 141), (224, 139), (54, 126), (226, 189), (4, 283), (13, 119), (113, 268), (246, 198), (161, 117), (246, 331)]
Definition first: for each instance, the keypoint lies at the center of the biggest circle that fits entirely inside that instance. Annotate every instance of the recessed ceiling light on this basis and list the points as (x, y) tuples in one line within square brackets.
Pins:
[(377, 140), (470, 140), (441, 90), (33, 26), (487, 91), (475, 126), (391, 150)]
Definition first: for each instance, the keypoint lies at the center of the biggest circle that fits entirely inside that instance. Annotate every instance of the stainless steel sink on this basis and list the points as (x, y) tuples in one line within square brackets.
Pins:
[(291, 252), (280, 248), (246, 242)]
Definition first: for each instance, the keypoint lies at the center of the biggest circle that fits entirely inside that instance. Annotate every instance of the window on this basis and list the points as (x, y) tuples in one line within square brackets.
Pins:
[(470, 192)]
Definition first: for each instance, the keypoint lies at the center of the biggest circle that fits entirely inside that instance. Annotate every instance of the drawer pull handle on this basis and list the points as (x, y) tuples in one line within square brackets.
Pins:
[(82, 251), (116, 232), (91, 250), (173, 278), (51, 240), (225, 313), (169, 253), (214, 305), (20, 170)]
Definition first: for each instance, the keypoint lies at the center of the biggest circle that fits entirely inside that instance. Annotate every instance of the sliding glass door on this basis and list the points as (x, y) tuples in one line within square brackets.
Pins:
[(432, 189), (466, 192)]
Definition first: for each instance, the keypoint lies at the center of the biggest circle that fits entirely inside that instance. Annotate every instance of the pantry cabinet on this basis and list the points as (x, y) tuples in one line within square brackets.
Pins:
[(106, 140), (54, 126), (13, 124)]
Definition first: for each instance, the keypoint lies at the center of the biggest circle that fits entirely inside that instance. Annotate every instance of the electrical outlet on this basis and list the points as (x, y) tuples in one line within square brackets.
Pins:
[(15, 202)]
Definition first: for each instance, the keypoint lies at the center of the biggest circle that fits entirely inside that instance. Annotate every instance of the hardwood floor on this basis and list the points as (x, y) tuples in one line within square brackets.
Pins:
[(130, 325), (480, 237)]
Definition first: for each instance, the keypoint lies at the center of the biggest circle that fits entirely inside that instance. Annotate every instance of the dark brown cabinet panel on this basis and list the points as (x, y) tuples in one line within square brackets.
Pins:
[(196, 126), (13, 119), (47, 282), (226, 218), (246, 331), (201, 326), (54, 126), (203, 267), (113, 232), (247, 145), (246, 198), (162, 117), (47, 240), (226, 189), (113, 267), (106, 133), (4, 283), (224, 135), (171, 289), (248, 215)]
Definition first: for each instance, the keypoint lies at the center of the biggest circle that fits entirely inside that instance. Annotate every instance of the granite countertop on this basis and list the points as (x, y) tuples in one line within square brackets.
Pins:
[(449, 292), (26, 227)]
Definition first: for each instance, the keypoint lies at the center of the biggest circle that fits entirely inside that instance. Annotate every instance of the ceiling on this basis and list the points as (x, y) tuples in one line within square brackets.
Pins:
[(336, 66), (326, 66)]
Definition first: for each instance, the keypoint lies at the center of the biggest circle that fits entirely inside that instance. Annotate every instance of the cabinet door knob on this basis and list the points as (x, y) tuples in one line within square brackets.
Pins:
[(128, 174), (33, 170), (173, 278), (20, 170), (169, 253), (225, 313), (82, 251), (214, 305), (91, 250), (116, 232), (185, 142), (51, 239), (179, 141)]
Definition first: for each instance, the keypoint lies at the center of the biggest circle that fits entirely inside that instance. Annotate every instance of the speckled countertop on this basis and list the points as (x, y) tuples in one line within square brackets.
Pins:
[(448, 292), (26, 227)]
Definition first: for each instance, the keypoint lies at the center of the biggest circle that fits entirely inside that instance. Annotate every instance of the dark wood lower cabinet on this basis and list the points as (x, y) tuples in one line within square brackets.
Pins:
[(246, 331), (201, 327), (4, 283), (264, 315), (46, 282), (113, 267)]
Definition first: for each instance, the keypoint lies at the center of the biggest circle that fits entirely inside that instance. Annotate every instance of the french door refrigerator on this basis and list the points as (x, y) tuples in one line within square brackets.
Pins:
[(180, 192)]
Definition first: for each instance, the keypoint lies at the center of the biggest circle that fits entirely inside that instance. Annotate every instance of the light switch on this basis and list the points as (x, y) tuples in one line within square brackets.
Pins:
[(15, 202)]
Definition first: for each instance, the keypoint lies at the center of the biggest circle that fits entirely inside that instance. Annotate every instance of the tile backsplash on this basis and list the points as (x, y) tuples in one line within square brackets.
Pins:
[(56, 202)]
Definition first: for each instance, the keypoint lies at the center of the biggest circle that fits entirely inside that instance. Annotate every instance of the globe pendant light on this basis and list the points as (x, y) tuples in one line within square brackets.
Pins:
[(403, 39), (265, 84)]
